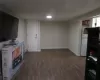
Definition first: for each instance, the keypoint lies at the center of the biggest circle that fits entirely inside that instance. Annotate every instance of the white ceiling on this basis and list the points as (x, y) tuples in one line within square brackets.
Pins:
[(59, 9)]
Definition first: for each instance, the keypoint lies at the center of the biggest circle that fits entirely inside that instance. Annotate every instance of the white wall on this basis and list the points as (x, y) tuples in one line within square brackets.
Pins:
[(74, 36), (21, 30), (22, 37), (74, 30), (53, 35)]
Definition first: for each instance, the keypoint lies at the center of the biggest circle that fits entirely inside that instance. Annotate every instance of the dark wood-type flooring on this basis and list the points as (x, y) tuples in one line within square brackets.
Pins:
[(52, 65)]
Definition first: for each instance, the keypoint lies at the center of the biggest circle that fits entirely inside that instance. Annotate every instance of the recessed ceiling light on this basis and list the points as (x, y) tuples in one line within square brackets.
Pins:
[(49, 17)]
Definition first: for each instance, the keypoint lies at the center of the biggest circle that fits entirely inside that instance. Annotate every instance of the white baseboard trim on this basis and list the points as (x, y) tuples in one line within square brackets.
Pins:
[(34, 51), (56, 48), (73, 52)]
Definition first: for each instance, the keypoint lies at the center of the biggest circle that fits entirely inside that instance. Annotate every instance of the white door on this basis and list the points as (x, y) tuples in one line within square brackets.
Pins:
[(33, 36)]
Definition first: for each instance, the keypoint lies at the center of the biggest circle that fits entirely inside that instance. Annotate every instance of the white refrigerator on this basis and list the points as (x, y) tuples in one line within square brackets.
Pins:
[(84, 39)]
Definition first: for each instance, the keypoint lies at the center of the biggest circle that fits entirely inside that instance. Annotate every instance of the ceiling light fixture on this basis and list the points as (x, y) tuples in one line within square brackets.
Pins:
[(49, 17)]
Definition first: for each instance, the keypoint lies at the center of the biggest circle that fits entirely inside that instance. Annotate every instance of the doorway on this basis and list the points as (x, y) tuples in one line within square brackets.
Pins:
[(33, 36)]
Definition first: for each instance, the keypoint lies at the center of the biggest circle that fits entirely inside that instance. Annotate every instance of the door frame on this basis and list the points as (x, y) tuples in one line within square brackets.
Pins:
[(37, 23)]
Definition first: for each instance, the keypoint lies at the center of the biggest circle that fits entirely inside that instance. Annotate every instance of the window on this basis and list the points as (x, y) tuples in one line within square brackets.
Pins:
[(96, 22)]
